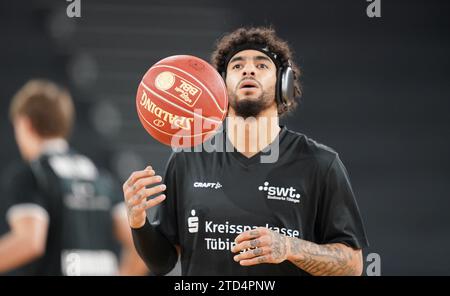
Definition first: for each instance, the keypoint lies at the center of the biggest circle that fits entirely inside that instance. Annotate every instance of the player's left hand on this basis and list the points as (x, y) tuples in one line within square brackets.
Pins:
[(262, 245)]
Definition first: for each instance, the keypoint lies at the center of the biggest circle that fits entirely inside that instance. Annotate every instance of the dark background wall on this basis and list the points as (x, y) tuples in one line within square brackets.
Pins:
[(376, 90)]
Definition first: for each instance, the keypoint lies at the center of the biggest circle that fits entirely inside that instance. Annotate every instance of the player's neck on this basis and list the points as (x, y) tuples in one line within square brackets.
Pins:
[(37, 146), (250, 136), (31, 149)]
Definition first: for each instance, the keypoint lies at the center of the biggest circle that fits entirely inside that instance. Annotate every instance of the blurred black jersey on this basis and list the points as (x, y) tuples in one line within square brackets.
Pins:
[(78, 200)]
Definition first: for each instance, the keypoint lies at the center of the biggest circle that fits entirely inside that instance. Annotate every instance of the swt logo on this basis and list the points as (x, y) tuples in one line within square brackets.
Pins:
[(280, 193)]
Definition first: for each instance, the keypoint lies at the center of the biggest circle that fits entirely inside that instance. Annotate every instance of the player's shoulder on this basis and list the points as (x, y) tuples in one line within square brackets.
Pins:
[(180, 157), (18, 179), (307, 147)]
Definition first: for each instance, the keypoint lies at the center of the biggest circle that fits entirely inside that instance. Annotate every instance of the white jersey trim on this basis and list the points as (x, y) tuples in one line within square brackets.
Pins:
[(26, 210)]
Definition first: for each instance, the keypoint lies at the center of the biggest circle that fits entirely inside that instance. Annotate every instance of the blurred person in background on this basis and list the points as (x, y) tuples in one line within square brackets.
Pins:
[(66, 217)]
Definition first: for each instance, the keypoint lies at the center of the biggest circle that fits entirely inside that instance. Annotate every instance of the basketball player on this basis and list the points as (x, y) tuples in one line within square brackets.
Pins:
[(65, 216), (229, 213)]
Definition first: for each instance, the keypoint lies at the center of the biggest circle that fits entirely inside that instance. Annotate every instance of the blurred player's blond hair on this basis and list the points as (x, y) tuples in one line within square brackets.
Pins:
[(48, 106)]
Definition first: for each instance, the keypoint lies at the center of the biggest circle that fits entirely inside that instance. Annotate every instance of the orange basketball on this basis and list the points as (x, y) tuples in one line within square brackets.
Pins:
[(181, 101)]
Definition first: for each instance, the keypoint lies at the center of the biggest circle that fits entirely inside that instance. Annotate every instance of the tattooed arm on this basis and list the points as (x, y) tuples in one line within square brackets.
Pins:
[(266, 246), (328, 259)]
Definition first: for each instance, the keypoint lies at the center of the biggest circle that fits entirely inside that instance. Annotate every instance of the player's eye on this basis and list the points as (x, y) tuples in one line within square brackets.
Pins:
[(236, 67), (262, 66)]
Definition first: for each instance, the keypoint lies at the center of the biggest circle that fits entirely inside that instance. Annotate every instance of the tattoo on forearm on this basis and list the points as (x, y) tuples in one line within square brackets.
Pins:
[(322, 259)]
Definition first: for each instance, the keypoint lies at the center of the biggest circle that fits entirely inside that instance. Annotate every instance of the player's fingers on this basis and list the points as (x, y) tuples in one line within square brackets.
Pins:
[(155, 190), (252, 254), (141, 183), (153, 202), (251, 234), (250, 244), (255, 260), (144, 193), (147, 172)]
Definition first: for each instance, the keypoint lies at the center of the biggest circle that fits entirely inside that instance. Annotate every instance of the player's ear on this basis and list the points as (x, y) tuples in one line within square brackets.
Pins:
[(27, 125), (20, 124)]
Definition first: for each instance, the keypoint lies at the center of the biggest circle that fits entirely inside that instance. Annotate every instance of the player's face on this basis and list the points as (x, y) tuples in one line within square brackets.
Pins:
[(251, 79)]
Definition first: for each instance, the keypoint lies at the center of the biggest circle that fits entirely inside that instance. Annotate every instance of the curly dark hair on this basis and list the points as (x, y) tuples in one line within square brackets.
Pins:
[(259, 35)]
